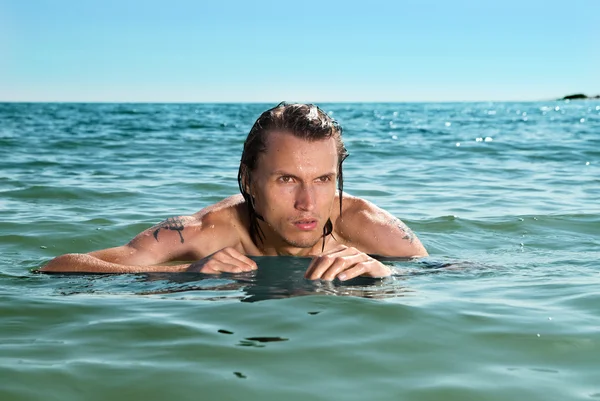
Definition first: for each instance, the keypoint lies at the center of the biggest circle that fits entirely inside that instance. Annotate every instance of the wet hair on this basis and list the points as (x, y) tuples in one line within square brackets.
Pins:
[(305, 121)]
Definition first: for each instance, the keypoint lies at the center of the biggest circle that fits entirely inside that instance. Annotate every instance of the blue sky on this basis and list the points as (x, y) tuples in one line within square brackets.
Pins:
[(267, 51)]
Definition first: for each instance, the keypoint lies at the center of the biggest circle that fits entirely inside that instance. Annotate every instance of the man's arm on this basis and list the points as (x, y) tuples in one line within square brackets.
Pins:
[(86, 263), (162, 243), (377, 232), (177, 238), (366, 230)]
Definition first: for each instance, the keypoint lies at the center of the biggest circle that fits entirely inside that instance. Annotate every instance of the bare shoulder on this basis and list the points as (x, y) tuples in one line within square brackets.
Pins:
[(220, 213), (199, 233), (373, 230), (180, 238), (226, 214), (221, 208)]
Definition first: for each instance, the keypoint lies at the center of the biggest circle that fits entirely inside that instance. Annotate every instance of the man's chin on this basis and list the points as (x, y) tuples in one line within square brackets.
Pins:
[(303, 242)]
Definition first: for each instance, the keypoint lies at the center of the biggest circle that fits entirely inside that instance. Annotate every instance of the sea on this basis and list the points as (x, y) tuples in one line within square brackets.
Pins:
[(504, 195)]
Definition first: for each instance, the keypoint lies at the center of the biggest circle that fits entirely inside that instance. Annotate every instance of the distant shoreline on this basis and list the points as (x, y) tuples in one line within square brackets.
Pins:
[(578, 96)]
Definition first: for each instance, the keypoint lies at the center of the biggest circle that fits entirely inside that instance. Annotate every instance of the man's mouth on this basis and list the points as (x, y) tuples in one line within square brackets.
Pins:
[(306, 224)]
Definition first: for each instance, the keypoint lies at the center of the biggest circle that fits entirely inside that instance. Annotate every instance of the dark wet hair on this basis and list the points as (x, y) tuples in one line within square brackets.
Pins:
[(305, 121)]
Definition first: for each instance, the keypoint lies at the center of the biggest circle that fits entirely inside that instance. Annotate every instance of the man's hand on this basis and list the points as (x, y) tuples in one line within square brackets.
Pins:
[(227, 260), (345, 263)]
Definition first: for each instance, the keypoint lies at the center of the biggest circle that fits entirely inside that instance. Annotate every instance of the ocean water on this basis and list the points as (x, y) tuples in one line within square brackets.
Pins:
[(505, 196)]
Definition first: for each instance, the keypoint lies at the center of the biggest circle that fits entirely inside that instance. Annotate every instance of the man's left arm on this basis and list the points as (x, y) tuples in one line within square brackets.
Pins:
[(389, 236), (366, 230)]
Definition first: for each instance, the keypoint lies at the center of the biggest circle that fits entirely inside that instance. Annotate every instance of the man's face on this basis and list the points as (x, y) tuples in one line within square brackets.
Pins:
[(294, 187)]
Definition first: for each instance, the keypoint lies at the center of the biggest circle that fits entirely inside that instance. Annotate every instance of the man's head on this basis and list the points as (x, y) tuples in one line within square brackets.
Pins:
[(291, 160)]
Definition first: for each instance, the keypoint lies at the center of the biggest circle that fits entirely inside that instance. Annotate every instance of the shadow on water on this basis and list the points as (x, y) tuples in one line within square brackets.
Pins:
[(276, 278)]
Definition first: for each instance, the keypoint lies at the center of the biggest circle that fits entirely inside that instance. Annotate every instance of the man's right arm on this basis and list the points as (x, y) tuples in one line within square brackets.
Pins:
[(178, 238), (89, 263)]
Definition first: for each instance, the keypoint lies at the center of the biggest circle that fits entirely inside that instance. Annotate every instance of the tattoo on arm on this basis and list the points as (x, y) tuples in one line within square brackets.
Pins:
[(172, 223), (408, 234)]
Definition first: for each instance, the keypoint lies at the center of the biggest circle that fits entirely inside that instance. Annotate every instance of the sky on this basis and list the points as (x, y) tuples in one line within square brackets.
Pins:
[(318, 51)]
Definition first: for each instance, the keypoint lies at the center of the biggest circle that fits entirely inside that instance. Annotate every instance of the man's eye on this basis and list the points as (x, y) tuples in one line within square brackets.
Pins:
[(325, 178), (285, 178)]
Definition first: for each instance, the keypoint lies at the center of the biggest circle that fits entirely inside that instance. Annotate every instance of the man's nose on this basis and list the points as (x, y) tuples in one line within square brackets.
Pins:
[(305, 198)]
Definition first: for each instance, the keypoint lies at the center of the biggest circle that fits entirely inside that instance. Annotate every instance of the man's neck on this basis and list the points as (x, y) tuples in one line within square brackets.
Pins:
[(287, 251)]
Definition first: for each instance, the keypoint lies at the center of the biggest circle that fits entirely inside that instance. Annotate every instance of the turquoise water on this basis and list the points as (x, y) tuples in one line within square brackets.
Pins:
[(507, 307)]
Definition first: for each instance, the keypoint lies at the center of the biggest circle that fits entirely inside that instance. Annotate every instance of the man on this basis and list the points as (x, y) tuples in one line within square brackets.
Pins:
[(289, 205)]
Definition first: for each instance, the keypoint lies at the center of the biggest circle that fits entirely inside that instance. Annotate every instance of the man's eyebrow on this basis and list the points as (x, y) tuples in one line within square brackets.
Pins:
[(281, 172)]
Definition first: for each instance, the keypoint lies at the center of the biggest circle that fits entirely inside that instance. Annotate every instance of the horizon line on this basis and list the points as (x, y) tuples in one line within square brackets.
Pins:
[(279, 101)]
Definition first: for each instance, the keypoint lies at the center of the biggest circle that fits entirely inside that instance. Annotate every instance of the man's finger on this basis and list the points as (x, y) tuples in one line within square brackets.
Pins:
[(216, 267), (231, 255), (245, 259), (325, 260), (373, 268), (229, 268), (353, 272), (240, 264), (318, 266), (328, 266), (342, 263)]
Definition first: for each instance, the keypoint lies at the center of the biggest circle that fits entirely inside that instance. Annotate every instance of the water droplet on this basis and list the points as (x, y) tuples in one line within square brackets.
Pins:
[(521, 219), (43, 247), (478, 139), (457, 144), (587, 163), (549, 318), (524, 114), (525, 118), (488, 139), (556, 108), (597, 107), (394, 137), (539, 335), (582, 120), (448, 123)]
